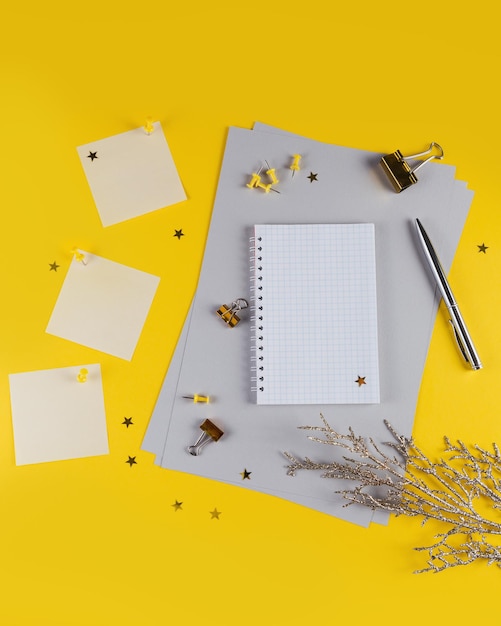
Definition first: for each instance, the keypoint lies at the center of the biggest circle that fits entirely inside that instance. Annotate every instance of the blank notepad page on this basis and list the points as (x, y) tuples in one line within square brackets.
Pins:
[(314, 299)]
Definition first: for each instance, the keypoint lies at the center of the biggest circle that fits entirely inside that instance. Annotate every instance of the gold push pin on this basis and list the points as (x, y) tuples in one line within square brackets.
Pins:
[(198, 398), (79, 256), (228, 313), (148, 127), (294, 166), (82, 375), (210, 432), (399, 171)]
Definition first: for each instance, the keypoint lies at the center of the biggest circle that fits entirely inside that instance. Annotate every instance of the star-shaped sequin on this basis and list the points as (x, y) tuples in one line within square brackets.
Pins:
[(178, 506), (245, 474), (92, 155), (313, 177), (361, 381), (482, 248), (131, 461), (128, 422), (215, 514), (178, 233), (53, 267)]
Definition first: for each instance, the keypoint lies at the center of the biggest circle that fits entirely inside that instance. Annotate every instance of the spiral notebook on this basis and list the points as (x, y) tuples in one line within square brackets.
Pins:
[(314, 302)]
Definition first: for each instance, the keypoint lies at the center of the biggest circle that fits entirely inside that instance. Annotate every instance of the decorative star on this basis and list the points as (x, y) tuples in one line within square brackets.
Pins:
[(312, 177), (178, 506), (482, 248), (92, 155), (245, 474), (131, 461), (128, 422), (178, 233), (215, 514), (361, 381), (53, 266)]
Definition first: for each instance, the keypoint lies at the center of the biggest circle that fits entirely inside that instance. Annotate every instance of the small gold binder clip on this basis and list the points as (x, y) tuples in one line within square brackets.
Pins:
[(400, 173), (210, 432), (228, 313)]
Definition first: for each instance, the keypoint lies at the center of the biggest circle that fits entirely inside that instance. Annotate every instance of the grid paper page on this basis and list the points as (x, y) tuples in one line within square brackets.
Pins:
[(316, 314)]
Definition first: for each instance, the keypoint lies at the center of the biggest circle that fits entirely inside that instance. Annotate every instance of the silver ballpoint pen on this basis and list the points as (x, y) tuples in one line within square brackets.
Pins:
[(460, 331)]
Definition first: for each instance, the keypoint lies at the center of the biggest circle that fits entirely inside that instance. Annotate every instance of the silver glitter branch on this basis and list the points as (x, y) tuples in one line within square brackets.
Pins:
[(463, 492)]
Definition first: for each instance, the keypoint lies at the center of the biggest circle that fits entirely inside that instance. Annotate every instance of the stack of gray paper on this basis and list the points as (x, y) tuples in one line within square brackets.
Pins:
[(334, 185)]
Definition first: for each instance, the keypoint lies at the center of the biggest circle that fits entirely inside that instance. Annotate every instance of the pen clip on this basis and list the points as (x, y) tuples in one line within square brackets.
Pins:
[(463, 340), (459, 342)]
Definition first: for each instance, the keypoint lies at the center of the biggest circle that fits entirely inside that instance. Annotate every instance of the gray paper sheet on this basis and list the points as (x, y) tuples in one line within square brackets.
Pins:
[(214, 359)]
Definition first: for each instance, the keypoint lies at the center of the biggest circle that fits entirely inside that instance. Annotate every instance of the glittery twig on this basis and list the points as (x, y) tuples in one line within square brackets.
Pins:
[(455, 491)]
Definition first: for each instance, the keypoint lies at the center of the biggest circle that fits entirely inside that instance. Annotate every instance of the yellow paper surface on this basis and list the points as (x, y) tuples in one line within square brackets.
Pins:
[(98, 541)]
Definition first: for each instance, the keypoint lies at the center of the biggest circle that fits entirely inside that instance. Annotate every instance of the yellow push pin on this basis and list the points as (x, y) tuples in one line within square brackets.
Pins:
[(294, 166), (266, 188), (148, 127), (254, 182), (198, 398), (271, 173), (79, 256), (82, 375)]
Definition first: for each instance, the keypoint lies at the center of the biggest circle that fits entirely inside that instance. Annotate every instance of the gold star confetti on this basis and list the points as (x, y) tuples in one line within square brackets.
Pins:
[(482, 248), (245, 474), (178, 506), (215, 514), (361, 381), (53, 267)]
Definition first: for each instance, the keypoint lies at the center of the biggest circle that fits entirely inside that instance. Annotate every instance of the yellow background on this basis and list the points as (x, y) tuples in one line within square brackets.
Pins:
[(95, 542)]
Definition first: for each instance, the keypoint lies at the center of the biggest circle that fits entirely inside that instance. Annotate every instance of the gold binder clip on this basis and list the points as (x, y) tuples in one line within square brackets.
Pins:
[(210, 432), (228, 313), (399, 171)]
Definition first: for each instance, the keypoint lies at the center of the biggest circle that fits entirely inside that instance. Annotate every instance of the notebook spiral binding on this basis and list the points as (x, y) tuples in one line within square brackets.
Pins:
[(256, 313)]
